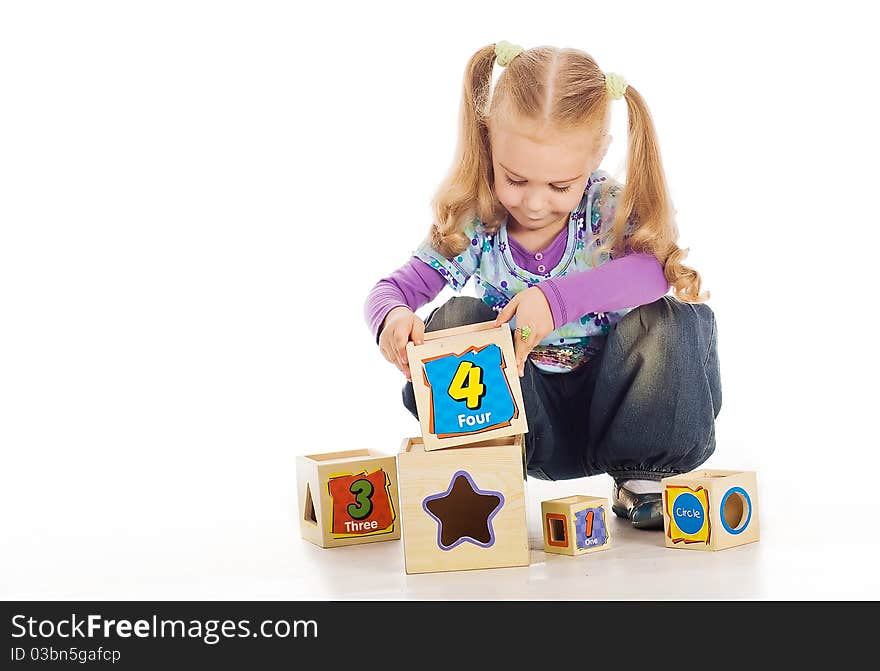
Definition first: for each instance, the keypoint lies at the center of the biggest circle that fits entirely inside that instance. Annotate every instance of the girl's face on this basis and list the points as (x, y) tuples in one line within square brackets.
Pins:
[(539, 176)]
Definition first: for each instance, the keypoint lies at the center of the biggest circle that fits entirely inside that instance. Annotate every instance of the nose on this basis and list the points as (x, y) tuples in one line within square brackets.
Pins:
[(533, 203)]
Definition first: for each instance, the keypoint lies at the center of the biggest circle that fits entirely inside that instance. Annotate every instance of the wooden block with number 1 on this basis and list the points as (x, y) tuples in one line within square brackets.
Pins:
[(576, 525), (466, 385)]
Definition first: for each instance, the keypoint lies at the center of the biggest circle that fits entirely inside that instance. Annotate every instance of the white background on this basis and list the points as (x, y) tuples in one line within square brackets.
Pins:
[(196, 197)]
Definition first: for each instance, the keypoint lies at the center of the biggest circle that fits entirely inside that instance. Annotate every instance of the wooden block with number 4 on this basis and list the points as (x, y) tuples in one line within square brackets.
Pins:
[(466, 385)]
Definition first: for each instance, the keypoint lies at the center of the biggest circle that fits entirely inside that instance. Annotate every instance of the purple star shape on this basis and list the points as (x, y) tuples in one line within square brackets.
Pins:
[(464, 496)]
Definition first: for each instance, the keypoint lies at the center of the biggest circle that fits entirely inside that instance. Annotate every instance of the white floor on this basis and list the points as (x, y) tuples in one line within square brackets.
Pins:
[(238, 559)]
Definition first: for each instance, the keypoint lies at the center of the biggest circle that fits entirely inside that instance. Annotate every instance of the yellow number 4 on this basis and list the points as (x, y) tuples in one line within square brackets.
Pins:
[(467, 385)]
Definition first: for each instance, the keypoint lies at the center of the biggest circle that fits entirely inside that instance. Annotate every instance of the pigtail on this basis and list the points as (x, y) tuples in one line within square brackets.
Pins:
[(466, 192), (646, 200)]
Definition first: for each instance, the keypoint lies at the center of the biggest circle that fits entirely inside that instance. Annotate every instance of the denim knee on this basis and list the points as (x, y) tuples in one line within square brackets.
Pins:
[(662, 371), (670, 326), (459, 311), (409, 399)]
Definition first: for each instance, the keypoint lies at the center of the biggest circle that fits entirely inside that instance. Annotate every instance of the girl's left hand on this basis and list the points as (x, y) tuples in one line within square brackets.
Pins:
[(530, 307)]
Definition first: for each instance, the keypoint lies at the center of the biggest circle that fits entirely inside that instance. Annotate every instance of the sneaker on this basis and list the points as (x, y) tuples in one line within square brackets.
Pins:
[(645, 511)]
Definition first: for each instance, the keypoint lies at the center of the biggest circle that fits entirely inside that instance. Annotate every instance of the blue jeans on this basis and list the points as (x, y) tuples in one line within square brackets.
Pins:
[(644, 407)]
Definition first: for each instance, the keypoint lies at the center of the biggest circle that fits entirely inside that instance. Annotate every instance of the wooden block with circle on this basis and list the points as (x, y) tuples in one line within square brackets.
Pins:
[(466, 385), (575, 525), (348, 497), (710, 509), (463, 507)]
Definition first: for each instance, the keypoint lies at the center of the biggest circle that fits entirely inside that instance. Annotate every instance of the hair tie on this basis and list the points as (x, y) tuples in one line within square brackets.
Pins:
[(506, 52), (615, 85)]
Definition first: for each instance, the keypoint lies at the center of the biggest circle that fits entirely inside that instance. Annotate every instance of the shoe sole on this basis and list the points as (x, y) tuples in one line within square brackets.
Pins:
[(652, 523)]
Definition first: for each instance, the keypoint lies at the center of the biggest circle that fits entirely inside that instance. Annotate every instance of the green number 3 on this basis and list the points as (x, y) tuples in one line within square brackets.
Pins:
[(363, 492)]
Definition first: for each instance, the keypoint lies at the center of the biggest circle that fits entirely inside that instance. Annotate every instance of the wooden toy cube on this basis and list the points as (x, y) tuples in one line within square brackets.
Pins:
[(348, 497), (576, 525), (463, 507), (710, 509), (466, 385)]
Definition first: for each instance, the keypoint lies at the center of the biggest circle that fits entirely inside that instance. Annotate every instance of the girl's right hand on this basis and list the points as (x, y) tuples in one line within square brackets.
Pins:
[(401, 326)]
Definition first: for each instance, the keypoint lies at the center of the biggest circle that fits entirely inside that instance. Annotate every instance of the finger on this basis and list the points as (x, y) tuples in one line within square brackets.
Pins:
[(506, 314), (400, 350), (402, 359), (521, 361), (418, 332), (388, 356), (521, 349)]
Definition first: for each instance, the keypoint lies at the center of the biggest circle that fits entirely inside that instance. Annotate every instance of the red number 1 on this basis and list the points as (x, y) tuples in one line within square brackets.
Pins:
[(589, 520)]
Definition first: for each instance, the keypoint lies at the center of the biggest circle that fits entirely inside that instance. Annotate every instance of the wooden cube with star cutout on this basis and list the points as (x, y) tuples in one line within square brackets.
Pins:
[(710, 509), (466, 385), (348, 497), (575, 525), (463, 507)]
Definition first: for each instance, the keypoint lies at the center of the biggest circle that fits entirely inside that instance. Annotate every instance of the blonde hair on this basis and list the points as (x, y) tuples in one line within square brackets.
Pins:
[(563, 89)]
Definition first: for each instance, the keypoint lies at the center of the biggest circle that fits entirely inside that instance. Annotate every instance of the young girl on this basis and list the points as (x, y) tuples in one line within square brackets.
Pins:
[(617, 377)]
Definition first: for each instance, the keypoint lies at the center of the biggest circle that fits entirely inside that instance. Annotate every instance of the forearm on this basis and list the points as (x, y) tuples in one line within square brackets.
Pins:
[(412, 285), (627, 282)]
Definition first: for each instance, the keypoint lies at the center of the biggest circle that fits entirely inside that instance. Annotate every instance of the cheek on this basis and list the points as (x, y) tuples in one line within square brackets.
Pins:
[(506, 194), (564, 202), (572, 199)]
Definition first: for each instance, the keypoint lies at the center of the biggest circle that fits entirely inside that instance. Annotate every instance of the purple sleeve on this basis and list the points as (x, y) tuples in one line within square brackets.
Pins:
[(412, 285), (627, 282)]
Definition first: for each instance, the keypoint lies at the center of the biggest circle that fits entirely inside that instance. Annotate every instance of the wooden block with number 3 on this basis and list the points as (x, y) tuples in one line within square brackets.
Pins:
[(348, 497), (466, 385)]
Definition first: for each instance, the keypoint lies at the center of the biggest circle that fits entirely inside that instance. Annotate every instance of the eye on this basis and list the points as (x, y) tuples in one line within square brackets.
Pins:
[(555, 188)]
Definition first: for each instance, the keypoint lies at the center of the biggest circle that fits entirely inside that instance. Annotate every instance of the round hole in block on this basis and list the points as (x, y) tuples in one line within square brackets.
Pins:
[(736, 510), (733, 511)]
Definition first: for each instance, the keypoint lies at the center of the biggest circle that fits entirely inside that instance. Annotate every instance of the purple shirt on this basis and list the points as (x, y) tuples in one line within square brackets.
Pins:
[(626, 282)]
